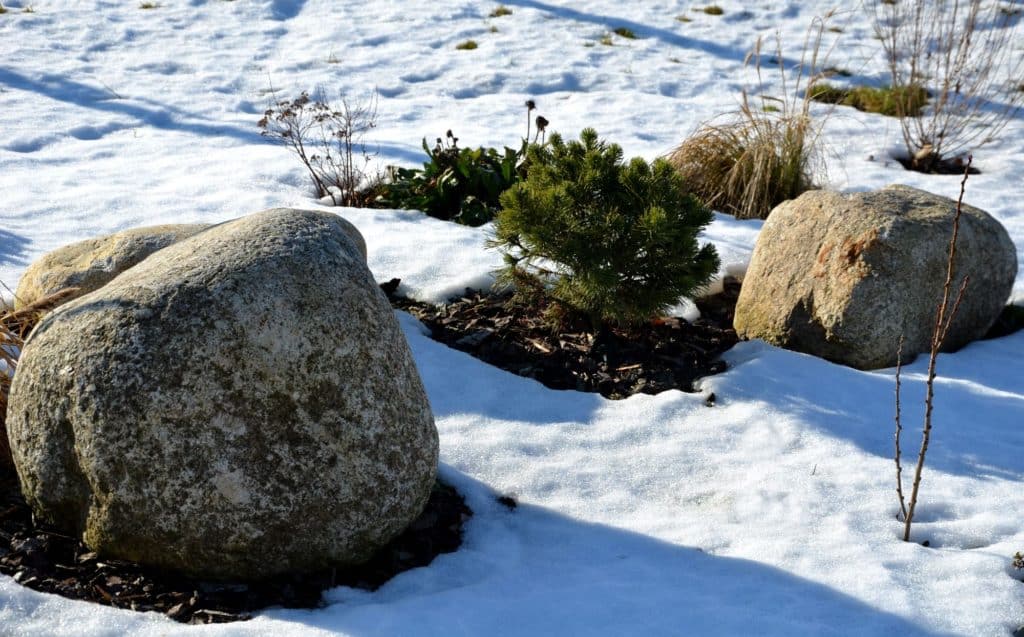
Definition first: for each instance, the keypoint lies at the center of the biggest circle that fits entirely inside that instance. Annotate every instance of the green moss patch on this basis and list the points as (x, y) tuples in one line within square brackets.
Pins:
[(891, 101)]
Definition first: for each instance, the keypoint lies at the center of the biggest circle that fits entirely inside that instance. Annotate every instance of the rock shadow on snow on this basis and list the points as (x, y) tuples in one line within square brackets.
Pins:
[(533, 571)]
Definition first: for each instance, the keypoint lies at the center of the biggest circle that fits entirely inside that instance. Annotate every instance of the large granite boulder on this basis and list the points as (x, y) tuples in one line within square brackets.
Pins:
[(240, 404), (842, 276), (90, 264)]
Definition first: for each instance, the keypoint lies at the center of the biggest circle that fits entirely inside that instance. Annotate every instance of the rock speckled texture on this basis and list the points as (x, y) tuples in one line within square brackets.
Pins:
[(841, 276), (90, 264), (240, 404)]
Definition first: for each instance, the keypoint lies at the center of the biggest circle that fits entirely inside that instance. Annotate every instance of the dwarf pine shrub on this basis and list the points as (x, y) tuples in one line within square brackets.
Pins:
[(597, 237)]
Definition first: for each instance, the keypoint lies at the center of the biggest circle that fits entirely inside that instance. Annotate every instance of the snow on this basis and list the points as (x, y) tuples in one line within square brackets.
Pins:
[(771, 513)]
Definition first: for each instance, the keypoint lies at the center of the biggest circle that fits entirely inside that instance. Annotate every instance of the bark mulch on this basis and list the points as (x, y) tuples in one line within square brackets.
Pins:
[(669, 353), (46, 560)]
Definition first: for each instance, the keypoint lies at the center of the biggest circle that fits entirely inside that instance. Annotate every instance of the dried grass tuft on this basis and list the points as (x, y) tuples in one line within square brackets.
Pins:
[(761, 155), (747, 166)]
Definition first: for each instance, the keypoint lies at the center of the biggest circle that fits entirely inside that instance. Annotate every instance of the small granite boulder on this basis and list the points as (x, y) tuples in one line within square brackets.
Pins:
[(240, 404), (842, 276), (90, 264)]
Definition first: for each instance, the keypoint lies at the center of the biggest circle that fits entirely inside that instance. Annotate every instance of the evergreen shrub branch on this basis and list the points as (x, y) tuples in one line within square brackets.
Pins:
[(612, 241)]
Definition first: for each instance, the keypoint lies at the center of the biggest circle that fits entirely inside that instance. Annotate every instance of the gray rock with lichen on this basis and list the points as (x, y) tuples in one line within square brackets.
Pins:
[(842, 276), (89, 264), (240, 404)]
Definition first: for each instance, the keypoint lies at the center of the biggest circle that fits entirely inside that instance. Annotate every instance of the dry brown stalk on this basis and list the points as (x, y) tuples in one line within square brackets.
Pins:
[(964, 52), (899, 430), (939, 331)]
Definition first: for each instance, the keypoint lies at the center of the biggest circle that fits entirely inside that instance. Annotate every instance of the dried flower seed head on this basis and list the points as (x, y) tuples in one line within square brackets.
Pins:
[(541, 122), (530, 105)]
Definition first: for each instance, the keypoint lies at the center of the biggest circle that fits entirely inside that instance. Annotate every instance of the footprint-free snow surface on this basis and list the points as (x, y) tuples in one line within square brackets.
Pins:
[(771, 513)]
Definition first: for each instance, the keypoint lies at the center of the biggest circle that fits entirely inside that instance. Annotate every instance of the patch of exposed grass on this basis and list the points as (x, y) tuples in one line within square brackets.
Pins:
[(713, 9), (606, 40), (832, 71), (468, 45), (500, 10), (149, 5), (625, 33), (891, 101), (683, 18)]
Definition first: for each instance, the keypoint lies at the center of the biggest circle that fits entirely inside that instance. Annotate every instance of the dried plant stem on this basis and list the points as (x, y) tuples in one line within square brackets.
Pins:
[(964, 51), (939, 331), (899, 430)]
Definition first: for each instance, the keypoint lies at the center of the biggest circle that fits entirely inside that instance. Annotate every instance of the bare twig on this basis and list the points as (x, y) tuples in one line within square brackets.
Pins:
[(964, 51), (899, 430), (942, 323)]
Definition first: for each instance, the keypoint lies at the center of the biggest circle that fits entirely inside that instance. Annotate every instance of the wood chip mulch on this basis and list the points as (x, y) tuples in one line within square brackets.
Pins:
[(666, 354), (43, 559)]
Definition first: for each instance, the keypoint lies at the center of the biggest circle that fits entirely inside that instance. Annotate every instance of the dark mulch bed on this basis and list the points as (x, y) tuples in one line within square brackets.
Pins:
[(667, 354), (954, 166), (45, 560)]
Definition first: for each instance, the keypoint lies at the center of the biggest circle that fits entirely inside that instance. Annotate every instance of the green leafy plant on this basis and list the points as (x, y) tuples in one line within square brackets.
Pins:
[(460, 184), (890, 100), (455, 184), (763, 154), (599, 238), (624, 32)]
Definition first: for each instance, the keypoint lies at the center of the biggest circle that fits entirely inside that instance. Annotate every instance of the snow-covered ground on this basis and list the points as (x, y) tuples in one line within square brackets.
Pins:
[(772, 513)]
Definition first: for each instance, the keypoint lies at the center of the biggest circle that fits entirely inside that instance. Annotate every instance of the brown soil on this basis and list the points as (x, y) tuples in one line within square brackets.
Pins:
[(954, 166), (665, 354), (43, 559)]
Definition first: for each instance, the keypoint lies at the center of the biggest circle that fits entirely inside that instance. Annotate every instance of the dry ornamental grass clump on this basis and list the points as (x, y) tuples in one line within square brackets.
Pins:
[(762, 155)]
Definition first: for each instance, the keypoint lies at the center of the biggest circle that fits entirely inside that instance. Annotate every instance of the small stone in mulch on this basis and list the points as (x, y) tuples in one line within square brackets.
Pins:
[(43, 559), (669, 353)]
